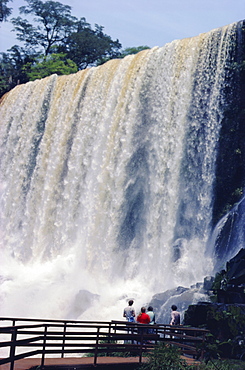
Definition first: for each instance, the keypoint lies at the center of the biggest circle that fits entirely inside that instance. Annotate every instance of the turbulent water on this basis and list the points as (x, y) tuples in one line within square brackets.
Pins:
[(107, 180)]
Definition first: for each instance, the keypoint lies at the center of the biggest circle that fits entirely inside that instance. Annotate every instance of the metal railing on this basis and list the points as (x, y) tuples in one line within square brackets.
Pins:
[(42, 338)]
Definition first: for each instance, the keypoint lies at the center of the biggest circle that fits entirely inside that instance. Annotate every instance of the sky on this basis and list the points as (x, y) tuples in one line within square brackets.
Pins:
[(144, 22)]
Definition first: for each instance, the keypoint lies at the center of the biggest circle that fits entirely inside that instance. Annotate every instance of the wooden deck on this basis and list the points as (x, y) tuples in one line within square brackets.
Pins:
[(53, 344), (83, 363)]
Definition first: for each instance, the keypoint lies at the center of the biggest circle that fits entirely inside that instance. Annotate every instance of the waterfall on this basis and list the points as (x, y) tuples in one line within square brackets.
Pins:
[(229, 235), (107, 180)]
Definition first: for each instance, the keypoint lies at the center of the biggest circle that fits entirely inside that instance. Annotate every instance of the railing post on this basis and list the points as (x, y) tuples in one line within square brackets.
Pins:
[(44, 345), (141, 344), (109, 330), (156, 332), (12, 348), (115, 327), (133, 331), (203, 346), (109, 335), (63, 342), (96, 346)]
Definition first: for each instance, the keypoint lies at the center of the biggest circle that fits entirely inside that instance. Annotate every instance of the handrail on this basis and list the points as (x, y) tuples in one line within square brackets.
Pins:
[(81, 337), (25, 319)]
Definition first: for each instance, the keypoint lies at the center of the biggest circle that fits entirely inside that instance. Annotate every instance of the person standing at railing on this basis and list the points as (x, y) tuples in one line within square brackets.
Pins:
[(129, 314), (129, 311), (151, 314), (175, 316), (143, 318), (152, 317)]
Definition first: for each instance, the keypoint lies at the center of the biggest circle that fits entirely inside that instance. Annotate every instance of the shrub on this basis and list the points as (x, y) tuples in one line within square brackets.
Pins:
[(164, 357)]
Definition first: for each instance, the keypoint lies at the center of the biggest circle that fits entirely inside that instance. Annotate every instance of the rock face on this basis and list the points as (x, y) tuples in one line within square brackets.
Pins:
[(227, 289), (211, 315), (230, 284), (230, 233), (180, 296), (226, 323), (236, 268)]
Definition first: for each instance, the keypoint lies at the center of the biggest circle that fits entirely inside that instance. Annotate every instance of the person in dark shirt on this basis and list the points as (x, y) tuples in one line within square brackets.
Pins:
[(175, 316)]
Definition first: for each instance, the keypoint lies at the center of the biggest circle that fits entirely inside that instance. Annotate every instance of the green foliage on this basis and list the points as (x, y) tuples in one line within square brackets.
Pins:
[(11, 67), (217, 280), (5, 11), (54, 23), (221, 365), (54, 28), (227, 334), (226, 324), (54, 42), (54, 63), (164, 357), (132, 50), (112, 354), (88, 47)]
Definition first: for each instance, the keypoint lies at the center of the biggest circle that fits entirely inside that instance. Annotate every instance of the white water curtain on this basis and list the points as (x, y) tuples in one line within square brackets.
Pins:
[(107, 179)]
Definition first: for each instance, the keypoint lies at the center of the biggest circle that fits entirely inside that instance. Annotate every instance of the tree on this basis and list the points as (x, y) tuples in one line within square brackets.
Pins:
[(54, 42), (132, 50), (54, 63), (88, 47), (54, 23), (57, 31), (5, 11), (11, 67)]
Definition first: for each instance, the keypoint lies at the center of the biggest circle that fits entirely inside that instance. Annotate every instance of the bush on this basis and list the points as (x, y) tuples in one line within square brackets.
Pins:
[(164, 357)]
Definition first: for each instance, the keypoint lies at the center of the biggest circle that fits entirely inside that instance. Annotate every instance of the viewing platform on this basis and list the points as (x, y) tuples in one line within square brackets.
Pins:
[(28, 343)]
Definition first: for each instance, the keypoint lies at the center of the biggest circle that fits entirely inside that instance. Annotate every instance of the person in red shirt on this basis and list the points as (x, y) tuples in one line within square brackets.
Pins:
[(143, 318)]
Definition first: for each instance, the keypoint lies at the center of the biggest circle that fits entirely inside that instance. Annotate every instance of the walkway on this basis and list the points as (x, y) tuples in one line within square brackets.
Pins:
[(83, 363), (47, 343)]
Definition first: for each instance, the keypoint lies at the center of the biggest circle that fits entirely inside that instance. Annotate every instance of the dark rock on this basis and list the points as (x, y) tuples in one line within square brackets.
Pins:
[(225, 321), (230, 234), (208, 282), (236, 269), (230, 283)]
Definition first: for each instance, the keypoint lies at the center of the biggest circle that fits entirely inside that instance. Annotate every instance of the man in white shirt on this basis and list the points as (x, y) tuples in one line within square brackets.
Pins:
[(129, 311)]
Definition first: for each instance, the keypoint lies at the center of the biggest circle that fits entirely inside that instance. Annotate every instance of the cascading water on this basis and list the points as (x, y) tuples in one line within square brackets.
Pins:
[(107, 180)]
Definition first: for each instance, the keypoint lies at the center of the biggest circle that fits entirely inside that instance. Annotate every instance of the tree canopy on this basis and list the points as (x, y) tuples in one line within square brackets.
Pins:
[(56, 30), (133, 50), (88, 47), (54, 63), (54, 23), (54, 41), (5, 11)]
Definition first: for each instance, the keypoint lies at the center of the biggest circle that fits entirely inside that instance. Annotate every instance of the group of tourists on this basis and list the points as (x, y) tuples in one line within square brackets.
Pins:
[(147, 316)]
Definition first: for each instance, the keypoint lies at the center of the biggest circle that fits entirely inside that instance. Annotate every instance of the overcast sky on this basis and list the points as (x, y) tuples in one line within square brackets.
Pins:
[(145, 22)]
